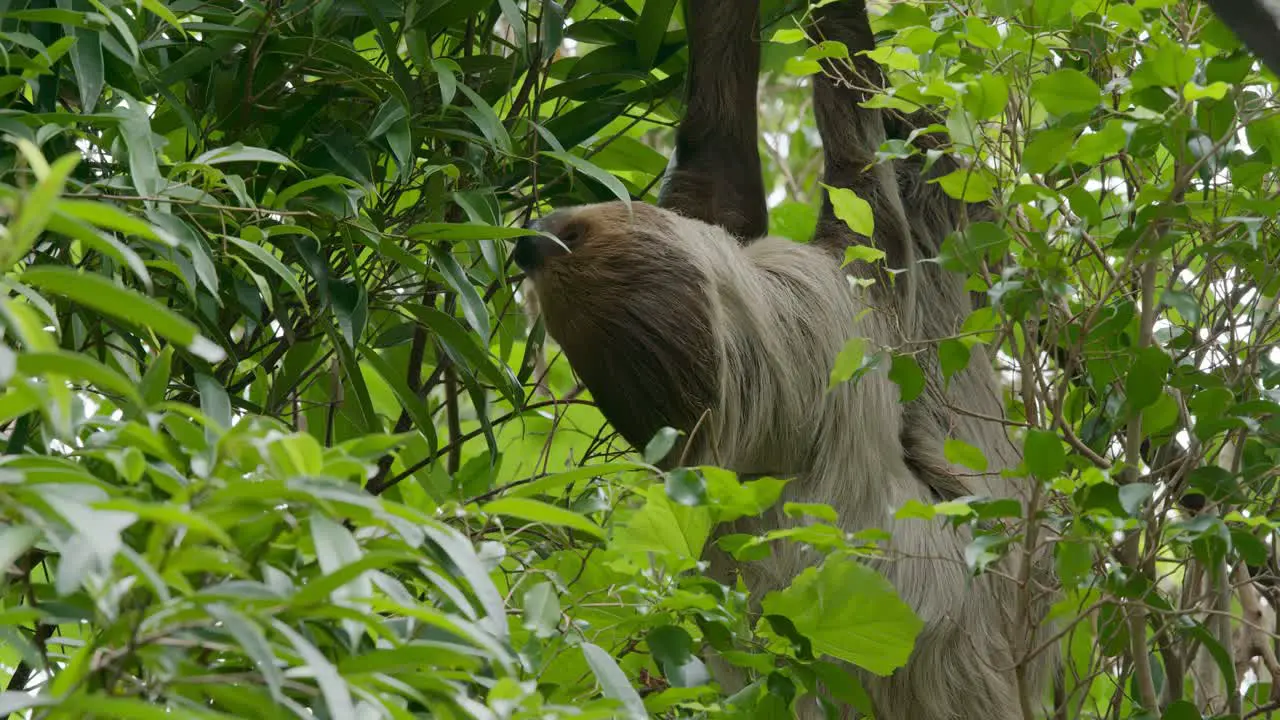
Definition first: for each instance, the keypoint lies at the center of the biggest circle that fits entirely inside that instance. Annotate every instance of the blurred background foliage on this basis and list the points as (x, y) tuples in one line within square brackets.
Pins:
[(281, 441)]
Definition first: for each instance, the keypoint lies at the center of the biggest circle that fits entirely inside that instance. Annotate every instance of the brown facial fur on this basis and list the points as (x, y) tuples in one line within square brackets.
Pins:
[(630, 312)]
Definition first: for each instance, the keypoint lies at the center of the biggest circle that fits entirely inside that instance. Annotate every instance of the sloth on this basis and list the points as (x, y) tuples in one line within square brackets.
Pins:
[(689, 315)]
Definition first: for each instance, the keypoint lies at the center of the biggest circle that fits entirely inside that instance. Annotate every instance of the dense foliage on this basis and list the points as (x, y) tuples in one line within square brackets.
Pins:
[(280, 440)]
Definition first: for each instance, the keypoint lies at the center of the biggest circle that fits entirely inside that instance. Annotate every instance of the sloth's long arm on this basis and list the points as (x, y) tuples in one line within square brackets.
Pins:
[(851, 135), (715, 175)]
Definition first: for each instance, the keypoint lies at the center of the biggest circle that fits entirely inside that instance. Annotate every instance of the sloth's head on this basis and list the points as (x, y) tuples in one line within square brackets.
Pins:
[(628, 295)]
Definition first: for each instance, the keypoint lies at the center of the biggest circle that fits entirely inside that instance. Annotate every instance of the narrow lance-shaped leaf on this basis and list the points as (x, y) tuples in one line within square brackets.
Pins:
[(96, 292)]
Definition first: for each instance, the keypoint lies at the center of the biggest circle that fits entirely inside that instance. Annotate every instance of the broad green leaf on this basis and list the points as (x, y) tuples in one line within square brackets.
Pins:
[(864, 253), (677, 532), (1046, 148), (967, 185), (848, 361), (962, 453), (1044, 453), (1146, 379), (906, 372), (953, 356), (986, 95), (849, 612), (1066, 91), (853, 210)]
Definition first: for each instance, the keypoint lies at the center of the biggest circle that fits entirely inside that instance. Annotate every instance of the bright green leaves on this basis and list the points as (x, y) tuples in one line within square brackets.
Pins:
[(1167, 64), (850, 612), (962, 453), (535, 511), (986, 96), (853, 210), (1146, 378), (673, 649), (1044, 454), (675, 532), (967, 184), (38, 207), (967, 250), (1066, 91), (848, 362), (906, 372)]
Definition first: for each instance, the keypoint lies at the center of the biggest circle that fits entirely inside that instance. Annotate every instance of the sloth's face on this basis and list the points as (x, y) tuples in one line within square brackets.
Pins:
[(627, 297)]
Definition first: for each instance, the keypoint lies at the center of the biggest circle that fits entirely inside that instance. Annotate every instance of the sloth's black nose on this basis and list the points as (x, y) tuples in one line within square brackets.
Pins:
[(532, 250), (526, 253)]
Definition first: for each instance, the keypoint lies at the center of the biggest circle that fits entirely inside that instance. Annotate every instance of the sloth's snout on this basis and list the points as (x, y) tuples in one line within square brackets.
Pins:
[(532, 251)]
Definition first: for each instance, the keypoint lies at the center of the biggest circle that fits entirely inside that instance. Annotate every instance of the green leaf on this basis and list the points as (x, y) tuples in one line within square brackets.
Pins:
[(788, 36), (967, 249), (614, 682), (1093, 147), (1146, 378), (540, 512), (672, 648), (966, 184), (864, 253), (238, 152), (848, 361), (86, 61), (1044, 453), (135, 129), (483, 115), (1046, 148), (470, 354), (907, 374), (962, 453), (254, 644), (37, 207), (272, 263), (78, 366), (589, 169), (334, 689), (97, 293), (542, 610), (953, 356), (986, 96), (686, 487), (460, 231), (850, 612), (1066, 91), (677, 532), (793, 220), (408, 399), (853, 210), (655, 16)]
